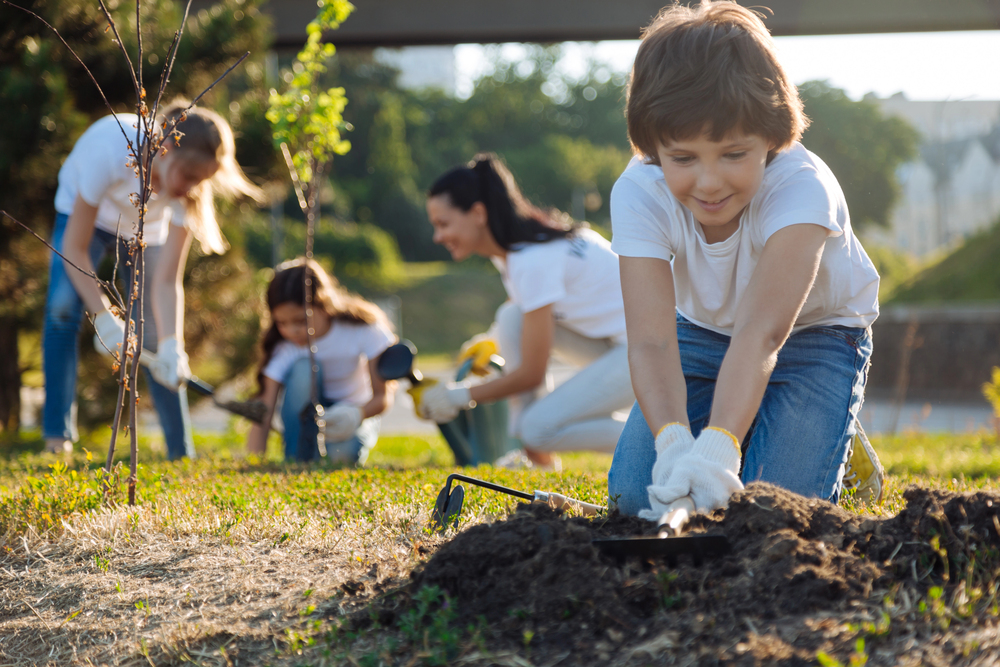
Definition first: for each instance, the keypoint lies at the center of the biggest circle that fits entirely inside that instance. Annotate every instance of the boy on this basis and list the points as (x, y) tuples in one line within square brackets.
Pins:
[(748, 298)]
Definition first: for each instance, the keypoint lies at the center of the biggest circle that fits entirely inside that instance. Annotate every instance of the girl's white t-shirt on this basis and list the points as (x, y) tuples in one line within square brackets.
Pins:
[(577, 276), (97, 170), (343, 355), (711, 279)]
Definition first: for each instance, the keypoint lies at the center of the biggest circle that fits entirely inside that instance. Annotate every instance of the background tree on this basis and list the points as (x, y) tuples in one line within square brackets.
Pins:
[(861, 146), (49, 101)]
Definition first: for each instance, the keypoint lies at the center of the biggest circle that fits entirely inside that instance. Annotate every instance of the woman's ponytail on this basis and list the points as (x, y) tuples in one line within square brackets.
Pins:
[(511, 218)]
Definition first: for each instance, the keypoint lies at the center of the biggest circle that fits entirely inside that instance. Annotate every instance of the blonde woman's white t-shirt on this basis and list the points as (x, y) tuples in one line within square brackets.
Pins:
[(97, 170), (343, 355), (710, 280), (577, 276)]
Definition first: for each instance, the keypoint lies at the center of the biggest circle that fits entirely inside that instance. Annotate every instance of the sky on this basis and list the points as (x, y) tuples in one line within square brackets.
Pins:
[(923, 66)]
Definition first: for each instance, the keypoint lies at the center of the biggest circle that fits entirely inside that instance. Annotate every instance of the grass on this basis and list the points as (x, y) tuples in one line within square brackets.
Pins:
[(263, 553)]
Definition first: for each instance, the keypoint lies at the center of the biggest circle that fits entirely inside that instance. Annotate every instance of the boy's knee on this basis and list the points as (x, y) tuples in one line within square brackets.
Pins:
[(624, 494)]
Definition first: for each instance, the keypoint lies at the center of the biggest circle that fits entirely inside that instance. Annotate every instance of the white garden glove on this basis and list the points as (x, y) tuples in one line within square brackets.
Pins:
[(110, 332), (171, 366), (342, 421), (709, 472), (442, 402), (672, 442)]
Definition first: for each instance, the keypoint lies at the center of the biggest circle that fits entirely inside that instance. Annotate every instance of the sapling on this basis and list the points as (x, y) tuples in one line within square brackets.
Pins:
[(308, 124)]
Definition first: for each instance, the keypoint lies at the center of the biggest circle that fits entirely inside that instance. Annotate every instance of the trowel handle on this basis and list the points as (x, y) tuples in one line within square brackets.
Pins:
[(559, 501), (676, 517), (148, 358)]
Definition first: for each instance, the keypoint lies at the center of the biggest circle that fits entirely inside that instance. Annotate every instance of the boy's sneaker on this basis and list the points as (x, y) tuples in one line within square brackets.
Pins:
[(58, 446), (516, 459), (864, 472)]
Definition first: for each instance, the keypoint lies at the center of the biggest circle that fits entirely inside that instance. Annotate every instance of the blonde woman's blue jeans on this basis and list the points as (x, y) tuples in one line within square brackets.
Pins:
[(61, 331), (800, 436)]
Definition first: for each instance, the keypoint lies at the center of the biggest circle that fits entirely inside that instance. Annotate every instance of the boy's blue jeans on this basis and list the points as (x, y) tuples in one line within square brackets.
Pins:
[(63, 317), (798, 440), (301, 433)]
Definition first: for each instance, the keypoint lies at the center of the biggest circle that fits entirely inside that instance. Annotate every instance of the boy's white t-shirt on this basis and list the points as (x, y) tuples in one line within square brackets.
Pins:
[(343, 355), (711, 279), (97, 170), (577, 276)]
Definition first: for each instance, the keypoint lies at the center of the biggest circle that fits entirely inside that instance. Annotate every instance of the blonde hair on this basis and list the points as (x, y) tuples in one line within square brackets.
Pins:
[(715, 69), (202, 134)]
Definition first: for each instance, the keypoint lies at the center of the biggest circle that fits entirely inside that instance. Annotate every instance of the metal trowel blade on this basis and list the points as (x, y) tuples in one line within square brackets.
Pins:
[(447, 507)]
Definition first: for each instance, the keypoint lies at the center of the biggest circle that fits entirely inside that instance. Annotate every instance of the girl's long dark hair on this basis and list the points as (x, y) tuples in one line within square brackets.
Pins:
[(288, 286), (511, 218)]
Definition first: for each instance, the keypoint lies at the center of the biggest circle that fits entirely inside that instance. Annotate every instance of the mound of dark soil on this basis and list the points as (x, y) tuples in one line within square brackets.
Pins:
[(791, 557)]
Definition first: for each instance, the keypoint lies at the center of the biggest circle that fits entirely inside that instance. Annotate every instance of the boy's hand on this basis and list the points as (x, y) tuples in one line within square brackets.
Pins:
[(672, 442), (442, 402), (342, 421), (709, 473)]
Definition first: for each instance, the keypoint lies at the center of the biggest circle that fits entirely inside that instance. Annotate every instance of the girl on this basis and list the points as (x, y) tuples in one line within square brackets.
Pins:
[(93, 209), (564, 297), (748, 296), (350, 334)]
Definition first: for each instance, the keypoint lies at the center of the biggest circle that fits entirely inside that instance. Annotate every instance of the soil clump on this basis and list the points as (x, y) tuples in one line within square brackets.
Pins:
[(798, 572)]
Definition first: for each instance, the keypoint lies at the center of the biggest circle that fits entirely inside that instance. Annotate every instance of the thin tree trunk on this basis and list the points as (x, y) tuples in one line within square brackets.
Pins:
[(10, 376)]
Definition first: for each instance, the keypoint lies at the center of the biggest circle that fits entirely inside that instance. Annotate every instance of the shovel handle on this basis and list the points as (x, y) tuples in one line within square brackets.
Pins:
[(559, 501), (672, 522), (148, 358)]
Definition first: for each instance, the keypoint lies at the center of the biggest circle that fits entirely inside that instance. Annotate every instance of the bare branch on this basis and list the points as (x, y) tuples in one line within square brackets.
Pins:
[(171, 58), (121, 44)]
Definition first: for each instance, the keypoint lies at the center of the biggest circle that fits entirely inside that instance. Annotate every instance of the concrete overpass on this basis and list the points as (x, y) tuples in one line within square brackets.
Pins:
[(411, 22)]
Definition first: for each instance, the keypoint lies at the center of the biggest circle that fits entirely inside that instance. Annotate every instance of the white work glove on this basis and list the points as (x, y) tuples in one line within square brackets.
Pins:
[(672, 442), (342, 421), (110, 332), (442, 402), (171, 366), (709, 473)]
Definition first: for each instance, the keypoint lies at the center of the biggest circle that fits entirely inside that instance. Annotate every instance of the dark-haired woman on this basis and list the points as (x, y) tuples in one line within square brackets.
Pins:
[(564, 299)]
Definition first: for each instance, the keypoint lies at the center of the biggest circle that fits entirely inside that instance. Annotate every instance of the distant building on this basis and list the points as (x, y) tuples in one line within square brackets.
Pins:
[(952, 190), (422, 66)]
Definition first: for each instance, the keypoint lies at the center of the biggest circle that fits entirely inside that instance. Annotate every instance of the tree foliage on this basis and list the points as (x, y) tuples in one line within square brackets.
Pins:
[(861, 146)]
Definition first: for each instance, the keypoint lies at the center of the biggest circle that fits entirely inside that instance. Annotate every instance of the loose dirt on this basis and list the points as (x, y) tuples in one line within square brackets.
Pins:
[(803, 577)]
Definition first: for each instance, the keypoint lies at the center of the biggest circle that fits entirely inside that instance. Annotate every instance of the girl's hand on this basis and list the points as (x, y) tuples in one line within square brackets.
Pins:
[(709, 473), (342, 421)]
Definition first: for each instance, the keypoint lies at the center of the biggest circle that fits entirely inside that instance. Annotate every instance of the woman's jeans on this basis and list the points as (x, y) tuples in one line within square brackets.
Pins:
[(300, 425), (63, 316), (576, 415), (800, 437)]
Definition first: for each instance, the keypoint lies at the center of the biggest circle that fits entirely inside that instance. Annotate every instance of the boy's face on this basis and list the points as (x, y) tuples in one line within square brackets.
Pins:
[(715, 180)]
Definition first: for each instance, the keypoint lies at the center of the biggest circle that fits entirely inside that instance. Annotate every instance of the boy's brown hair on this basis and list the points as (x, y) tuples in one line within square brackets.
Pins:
[(714, 69)]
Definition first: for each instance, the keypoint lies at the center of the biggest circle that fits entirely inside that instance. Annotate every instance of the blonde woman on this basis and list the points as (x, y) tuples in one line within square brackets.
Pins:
[(94, 207)]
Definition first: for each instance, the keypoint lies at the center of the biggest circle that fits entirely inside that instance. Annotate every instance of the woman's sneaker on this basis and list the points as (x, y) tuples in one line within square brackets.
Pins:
[(516, 459), (864, 473)]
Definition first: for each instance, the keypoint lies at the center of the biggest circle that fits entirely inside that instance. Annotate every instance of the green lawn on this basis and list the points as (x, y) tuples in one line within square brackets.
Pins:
[(38, 491)]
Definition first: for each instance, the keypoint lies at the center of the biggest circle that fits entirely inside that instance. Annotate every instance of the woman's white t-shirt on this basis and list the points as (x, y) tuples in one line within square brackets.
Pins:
[(343, 355), (97, 170), (577, 276), (711, 279)]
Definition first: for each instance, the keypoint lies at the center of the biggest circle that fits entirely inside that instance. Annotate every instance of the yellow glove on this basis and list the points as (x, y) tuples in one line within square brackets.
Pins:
[(479, 350), (417, 391)]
